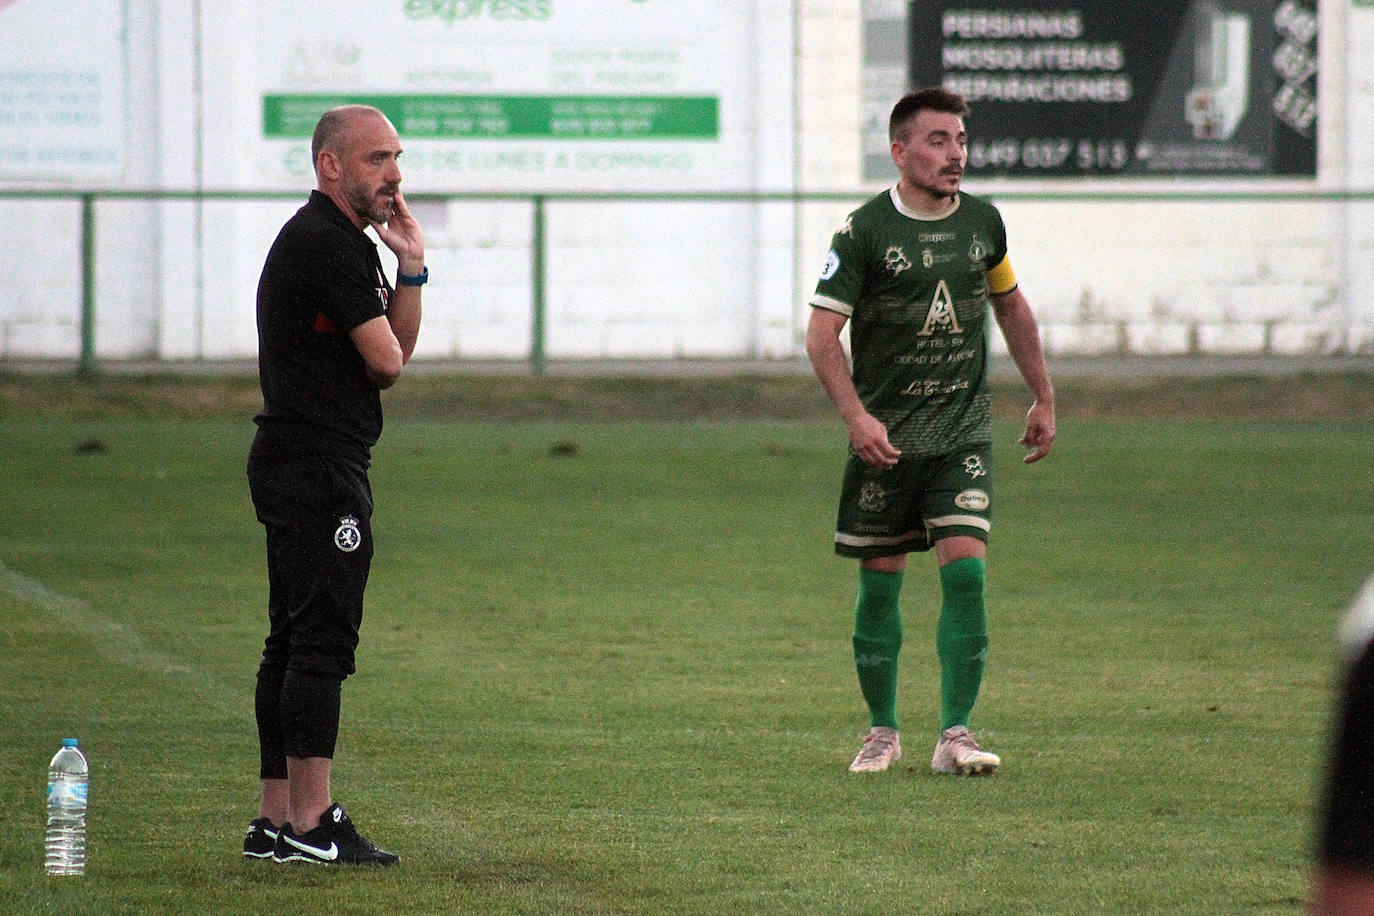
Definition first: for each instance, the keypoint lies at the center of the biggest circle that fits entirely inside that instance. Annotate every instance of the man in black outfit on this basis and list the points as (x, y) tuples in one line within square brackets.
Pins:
[(332, 332), (1344, 881)]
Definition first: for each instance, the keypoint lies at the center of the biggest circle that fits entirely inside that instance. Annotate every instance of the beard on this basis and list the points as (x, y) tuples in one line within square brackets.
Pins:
[(937, 193), (945, 192), (372, 206)]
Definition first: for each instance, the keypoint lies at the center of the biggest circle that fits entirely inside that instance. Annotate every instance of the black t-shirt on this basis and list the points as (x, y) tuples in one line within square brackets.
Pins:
[(322, 279), (1346, 834)]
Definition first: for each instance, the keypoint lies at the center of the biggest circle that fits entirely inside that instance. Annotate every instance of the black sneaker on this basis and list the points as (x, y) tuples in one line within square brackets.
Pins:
[(261, 839), (334, 842)]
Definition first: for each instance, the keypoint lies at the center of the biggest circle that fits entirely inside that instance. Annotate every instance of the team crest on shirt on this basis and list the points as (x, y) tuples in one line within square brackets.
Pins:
[(973, 465), (872, 497), (896, 260), (977, 251), (347, 537)]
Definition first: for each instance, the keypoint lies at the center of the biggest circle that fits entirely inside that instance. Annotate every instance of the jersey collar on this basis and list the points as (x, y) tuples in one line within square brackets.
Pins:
[(917, 214)]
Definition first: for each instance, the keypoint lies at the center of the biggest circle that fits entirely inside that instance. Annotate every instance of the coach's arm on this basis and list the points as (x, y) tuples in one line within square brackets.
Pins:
[(387, 343), (381, 351)]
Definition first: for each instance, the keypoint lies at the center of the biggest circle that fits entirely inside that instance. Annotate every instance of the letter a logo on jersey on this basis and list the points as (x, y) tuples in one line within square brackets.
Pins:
[(941, 316)]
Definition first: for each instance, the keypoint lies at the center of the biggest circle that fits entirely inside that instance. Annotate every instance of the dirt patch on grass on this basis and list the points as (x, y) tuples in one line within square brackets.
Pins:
[(1301, 396), (92, 397), (497, 397)]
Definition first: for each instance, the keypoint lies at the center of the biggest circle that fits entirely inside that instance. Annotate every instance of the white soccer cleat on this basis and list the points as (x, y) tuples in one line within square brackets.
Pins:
[(959, 754), (882, 748)]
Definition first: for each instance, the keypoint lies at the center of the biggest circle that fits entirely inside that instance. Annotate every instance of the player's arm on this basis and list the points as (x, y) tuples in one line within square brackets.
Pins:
[(866, 433), (1014, 317)]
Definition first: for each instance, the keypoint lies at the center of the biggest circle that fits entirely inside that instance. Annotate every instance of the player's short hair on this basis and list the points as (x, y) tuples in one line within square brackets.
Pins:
[(932, 98), (331, 126)]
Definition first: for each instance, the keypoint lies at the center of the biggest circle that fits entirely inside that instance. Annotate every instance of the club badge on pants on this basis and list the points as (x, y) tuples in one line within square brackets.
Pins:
[(347, 537)]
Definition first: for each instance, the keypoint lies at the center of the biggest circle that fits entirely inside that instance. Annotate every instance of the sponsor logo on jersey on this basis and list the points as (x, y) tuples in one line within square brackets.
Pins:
[(347, 537), (927, 259), (941, 316), (896, 260), (929, 387), (832, 265), (972, 500)]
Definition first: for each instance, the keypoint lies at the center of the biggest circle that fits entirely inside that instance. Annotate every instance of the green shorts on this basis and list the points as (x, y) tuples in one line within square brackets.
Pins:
[(912, 505)]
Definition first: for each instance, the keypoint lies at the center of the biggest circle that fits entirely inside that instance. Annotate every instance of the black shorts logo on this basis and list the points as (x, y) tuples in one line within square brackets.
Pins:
[(347, 537), (872, 497)]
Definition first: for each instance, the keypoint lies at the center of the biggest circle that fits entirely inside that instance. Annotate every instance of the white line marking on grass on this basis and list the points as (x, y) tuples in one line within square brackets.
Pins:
[(111, 638)]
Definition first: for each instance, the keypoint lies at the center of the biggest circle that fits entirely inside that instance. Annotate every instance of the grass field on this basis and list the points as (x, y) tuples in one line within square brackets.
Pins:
[(606, 669)]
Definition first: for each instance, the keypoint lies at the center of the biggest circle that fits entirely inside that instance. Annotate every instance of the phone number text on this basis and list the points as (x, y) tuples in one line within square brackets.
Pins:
[(1049, 154)]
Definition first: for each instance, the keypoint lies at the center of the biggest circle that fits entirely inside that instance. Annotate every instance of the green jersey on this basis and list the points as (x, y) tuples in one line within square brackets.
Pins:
[(916, 292)]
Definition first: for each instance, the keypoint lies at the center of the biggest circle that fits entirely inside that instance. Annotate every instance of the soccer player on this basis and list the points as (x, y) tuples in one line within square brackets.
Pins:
[(332, 332), (912, 272), (1344, 880)]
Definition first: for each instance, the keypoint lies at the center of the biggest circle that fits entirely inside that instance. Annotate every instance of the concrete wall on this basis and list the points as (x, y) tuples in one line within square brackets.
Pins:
[(1120, 268)]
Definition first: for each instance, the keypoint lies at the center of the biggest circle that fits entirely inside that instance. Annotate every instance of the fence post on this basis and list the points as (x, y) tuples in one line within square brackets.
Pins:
[(537, 304), (87, 363)]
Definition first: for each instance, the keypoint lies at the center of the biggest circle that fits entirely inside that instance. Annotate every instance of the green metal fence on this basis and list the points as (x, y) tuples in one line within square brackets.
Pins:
[(539, 202)]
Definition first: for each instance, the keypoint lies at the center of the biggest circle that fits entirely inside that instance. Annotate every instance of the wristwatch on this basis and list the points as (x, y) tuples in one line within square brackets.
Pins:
[(419, 279)]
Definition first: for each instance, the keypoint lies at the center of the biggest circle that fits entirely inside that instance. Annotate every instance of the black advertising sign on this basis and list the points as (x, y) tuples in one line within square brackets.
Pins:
[(1122, 87)]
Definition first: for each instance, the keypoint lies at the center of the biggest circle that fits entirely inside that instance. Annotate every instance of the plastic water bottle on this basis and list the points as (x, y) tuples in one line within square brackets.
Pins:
[(68, 776)]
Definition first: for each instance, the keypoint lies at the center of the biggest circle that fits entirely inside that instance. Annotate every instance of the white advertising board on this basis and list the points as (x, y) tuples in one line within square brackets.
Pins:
[(63, 89), (522, 94)]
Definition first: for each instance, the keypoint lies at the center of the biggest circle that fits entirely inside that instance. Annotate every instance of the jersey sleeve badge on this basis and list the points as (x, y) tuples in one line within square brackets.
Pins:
[(832, 264)]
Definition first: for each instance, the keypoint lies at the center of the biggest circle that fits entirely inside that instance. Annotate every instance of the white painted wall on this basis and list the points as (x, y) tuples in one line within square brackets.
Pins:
[(1284, 272)]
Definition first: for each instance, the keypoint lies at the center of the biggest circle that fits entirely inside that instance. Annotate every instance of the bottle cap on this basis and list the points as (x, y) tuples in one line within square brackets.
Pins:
[(69, 742)]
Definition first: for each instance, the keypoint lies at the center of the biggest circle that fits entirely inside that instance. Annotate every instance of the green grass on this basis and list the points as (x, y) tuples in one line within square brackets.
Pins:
[(620, 680)]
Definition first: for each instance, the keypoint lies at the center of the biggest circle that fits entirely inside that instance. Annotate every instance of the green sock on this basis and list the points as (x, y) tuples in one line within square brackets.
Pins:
[(961, 639), (877, 642)]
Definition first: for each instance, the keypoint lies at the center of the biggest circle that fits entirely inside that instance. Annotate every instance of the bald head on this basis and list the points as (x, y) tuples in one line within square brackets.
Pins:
[(334, 127)]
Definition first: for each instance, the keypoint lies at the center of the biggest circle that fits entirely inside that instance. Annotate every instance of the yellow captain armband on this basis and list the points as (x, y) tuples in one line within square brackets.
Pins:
[(1002, 279)]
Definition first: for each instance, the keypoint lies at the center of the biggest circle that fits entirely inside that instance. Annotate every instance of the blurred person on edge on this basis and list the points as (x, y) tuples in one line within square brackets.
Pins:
[(1344, 880)]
